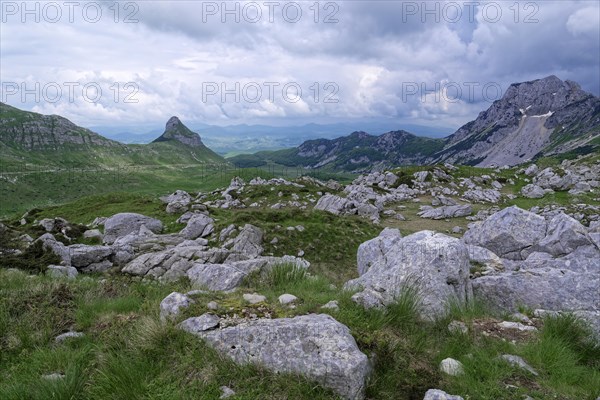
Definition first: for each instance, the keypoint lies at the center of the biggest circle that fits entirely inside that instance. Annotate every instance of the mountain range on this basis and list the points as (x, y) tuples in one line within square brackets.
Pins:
[(538, 118), (51, 140)]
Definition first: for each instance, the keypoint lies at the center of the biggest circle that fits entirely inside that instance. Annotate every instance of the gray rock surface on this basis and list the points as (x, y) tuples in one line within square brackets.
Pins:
[(196, 325), (438, 265), (508, 232), (485, 258), (199, 225), (546, 288), (483, 195), (171, 306), (68, 335), (248, 241), (93, 233), (122, 224), (532, 191), (226, 276), (334, 204), (61, 271), (254, 298), (564, 235), (436, 394), (451, 367), (172, 264), (56, 247), (374, 250), (446, 211), (315, 346), (287, 299), (90, 258), (226, 392)]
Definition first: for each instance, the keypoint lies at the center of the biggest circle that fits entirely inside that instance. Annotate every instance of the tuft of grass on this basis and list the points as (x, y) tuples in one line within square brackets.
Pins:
[(285, 275), (403, 313), (576, 336)]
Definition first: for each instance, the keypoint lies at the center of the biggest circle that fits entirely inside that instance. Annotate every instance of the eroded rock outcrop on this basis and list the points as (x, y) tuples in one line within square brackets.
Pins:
[(121, 224), (315, 346), (436, 265)]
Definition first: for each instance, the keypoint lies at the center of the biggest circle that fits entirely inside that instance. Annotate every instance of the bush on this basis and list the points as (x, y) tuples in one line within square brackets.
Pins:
[(34, 259)]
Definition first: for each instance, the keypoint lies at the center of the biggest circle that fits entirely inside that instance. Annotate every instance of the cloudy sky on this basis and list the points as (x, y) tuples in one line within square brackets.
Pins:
[(437, 63)]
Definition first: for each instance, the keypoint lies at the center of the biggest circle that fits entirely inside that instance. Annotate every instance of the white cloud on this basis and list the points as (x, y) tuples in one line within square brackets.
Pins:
[(372, 54), (585, 21)]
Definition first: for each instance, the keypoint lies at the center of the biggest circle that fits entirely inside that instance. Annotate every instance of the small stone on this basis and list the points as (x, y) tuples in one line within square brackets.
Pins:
[(332, 305), (458, 327), (68, 335), (274, 241), (196, 292), (287, 298), (521, 318), (516, 325), (60, 271), (54, 376), (457, 229), (212, 305), (301, 253), (436, 394), (199, 324), (226, 392), (400, 217), (171, 305), (517, 361), (254, 298), (299, 228), (451, 367), (93, 233)]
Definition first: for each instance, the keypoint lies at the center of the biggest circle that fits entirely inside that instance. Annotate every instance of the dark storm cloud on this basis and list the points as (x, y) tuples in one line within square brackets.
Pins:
[(375, 52)]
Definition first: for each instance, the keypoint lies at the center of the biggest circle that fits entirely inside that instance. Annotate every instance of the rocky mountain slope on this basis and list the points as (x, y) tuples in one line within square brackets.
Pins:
[(542, 117), (33, 131), (175, 130), (51, 140), (539, 118), (357, 152)]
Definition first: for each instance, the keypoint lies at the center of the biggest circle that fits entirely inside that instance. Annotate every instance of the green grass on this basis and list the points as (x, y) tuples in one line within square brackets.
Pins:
[(127, 353), (329, 242)]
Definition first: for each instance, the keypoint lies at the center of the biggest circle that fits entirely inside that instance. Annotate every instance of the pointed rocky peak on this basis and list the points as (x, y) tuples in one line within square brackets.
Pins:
[(173, 124), (542, 96), (175, 130)]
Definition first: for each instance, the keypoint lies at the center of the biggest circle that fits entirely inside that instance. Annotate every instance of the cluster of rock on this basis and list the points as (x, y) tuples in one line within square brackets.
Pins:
[(315, 345), (368, 195), (134, 243), (514, 258), (232, 196), (550, 265), (434, 266), (576, 179)]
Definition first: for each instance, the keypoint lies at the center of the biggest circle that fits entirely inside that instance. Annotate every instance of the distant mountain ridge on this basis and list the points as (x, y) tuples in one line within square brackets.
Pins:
[(53, 140), (533, 119), (537, 118), (33, 131), (357, 152)]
